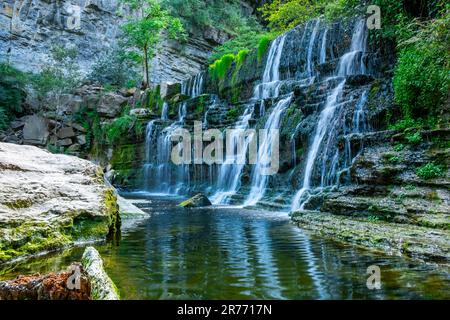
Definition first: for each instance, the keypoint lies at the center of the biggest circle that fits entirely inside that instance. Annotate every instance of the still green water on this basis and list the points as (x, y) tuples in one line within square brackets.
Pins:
[(232, 253)]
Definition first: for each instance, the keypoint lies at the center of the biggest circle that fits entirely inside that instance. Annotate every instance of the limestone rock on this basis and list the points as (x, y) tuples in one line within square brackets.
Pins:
[(102, 287), (168, 90), (66, 132), (49, 201), (111, 105), (199, 200), (35, 131)]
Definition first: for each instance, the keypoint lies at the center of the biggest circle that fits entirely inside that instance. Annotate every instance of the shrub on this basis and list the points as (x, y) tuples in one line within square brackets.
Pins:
[(61, 74), (12, 94), (430, 171), (123, 126), (115, 70)]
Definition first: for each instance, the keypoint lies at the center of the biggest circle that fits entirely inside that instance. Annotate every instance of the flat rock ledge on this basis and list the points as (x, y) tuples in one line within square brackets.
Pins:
[(102, 287), (50, 202), (420, 243)]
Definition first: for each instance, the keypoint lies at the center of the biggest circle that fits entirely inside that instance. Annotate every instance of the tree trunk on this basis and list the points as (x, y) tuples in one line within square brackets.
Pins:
[(146, 73)]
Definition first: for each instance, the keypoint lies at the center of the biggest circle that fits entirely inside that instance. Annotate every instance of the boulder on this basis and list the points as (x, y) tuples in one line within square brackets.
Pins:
[(68, 104), (35, 131), (77, 126), (102, 287), (111, 105), (199, 200), (66, 132), (64, 142), (51, 201), (168, 90), (81, 140)]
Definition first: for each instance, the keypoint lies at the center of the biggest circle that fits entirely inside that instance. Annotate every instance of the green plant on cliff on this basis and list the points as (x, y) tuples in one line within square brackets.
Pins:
[(430, 171), (115, 70), (144, 29), (12, 94), (123, 126), (220, 67)]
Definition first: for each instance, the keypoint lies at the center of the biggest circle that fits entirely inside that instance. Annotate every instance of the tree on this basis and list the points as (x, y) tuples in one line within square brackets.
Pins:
[(144, 30)]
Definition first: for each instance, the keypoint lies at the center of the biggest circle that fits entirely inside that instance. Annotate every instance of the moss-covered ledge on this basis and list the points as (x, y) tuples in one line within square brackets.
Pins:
[(421, 243)]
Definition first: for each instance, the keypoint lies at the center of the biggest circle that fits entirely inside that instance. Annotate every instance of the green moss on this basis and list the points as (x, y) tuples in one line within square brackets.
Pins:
[(219, 68), (232, 113), (33, 237), (262, 46), (19, 204)]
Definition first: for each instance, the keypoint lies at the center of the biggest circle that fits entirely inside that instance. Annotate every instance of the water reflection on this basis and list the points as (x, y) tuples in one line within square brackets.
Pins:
[(232, 253)]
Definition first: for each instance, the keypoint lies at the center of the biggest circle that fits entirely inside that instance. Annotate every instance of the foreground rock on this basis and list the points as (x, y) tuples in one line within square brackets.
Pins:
[(102, 286), (86, 281), (48, 202), (196, 201), (48, 287)]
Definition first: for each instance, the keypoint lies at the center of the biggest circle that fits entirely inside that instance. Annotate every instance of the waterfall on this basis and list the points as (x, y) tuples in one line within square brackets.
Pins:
[(311, 47), (193, 87), (259, 179), (323, 48), (349, 63), (158, 164), (231, 171), (165, 111)]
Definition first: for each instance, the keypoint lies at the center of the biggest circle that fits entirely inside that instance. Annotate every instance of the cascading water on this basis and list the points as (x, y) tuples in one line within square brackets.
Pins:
[(159, 164), (231, 170), (259, 178), (349, 64), (193, 87)]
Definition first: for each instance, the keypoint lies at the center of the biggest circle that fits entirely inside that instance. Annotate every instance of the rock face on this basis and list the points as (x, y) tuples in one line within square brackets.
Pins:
[(49, 201), (29, 28), (197, 201), (102, 286)]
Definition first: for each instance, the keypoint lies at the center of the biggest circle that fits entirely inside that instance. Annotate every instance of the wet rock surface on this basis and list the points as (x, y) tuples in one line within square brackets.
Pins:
[(197, 201)]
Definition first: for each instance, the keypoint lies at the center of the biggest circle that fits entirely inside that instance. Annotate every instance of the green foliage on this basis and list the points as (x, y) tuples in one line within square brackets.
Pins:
[(233, 113), (12, 94), (114, 70), (422, 75), (220, 67), (144, 29), (414, 137), (430, 171), (263, 45), (61, 74), (123, 126), (399, 147), (200, 14), (282, 15)]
